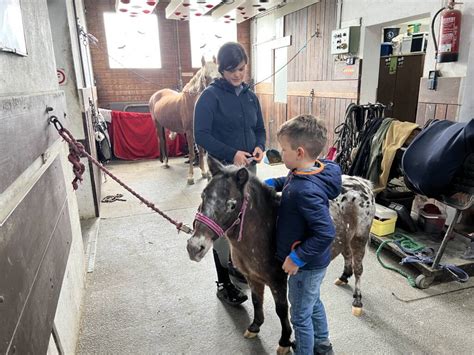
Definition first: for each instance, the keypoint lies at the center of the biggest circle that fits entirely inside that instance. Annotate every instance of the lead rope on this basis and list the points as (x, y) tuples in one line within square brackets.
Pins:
[(76, 150)]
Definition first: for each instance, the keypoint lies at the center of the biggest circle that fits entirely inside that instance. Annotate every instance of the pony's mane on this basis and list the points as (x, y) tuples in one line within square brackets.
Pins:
[(256, 185), (195, 84), (269, 194)]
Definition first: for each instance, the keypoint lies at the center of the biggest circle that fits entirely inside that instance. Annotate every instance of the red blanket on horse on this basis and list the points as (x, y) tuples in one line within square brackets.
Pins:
[(134, 137)]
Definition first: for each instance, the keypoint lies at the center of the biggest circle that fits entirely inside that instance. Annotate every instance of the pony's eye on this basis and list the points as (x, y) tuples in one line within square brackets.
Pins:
[(231, 205)]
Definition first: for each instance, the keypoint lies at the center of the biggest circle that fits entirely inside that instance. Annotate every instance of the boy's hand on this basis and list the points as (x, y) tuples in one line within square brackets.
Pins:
[(289, 266)]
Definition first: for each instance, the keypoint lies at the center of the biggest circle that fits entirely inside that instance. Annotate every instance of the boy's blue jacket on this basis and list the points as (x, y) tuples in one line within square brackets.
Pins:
[(304, 215), (225, 122)]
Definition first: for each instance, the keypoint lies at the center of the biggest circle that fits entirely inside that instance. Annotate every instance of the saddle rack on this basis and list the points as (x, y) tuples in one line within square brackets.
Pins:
[(461, 199)]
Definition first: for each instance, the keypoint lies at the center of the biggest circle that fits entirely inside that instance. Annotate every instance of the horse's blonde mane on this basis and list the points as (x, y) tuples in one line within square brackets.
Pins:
[(195, 85)]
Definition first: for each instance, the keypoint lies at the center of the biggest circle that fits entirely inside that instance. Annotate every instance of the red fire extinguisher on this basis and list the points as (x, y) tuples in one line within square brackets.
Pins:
[(447, 48)]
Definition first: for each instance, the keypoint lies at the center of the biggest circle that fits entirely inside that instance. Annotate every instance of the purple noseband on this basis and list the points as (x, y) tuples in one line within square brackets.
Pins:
[(217, 228)]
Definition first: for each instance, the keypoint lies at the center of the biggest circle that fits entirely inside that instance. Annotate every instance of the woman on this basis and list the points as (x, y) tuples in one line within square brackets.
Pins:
[(228, 123)]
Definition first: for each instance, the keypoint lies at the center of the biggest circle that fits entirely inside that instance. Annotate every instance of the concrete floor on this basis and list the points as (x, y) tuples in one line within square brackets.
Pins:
[(145, 296)]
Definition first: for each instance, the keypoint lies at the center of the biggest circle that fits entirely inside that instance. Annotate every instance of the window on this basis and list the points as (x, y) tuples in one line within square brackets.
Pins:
[(207, 36), (132, 42)]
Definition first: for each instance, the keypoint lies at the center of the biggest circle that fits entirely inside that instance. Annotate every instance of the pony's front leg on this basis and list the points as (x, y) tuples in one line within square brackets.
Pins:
[(190, 140), (257, 300), (202, 164), (281, 302)]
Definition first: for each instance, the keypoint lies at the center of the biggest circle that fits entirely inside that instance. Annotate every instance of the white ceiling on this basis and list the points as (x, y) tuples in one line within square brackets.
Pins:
[(225, 11)]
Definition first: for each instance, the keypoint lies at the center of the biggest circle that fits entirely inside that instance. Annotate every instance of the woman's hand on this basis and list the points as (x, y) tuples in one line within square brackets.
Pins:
[(240, 158), (258, 154)]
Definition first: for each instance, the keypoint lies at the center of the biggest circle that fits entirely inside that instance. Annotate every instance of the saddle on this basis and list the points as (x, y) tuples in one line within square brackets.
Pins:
[(437, 159)]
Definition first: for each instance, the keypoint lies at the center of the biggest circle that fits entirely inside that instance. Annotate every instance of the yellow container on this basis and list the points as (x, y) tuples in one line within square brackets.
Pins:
[(384, 221)]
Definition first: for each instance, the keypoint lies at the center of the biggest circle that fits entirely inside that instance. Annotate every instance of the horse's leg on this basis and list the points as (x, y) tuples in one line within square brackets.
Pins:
[(281, 302), (358, 245), (257, 300), (157, 128), (202, 164), (162, 139), (190, 139)]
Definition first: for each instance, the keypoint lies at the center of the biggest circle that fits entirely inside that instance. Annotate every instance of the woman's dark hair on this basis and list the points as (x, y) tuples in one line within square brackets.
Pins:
[(230, 55)]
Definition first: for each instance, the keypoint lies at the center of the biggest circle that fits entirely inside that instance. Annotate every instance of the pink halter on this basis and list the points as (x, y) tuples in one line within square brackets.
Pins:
[(217, 228)]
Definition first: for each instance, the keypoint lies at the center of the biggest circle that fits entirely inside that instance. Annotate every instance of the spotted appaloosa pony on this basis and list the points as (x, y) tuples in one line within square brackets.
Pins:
[(239, 206), (175, 111)]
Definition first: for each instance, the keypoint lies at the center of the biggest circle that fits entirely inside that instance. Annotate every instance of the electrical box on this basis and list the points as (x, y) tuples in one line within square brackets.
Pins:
[(345, 40)]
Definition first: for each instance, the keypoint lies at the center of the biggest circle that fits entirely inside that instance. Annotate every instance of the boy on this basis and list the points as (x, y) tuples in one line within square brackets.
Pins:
[(305, 230)]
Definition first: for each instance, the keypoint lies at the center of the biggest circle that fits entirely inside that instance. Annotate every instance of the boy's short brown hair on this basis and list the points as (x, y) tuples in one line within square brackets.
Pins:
[(305, 131)]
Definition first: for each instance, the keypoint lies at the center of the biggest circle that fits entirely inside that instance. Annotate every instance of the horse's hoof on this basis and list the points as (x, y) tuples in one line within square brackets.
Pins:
[(339, 282), (249, 335), (206, 175), (283, 350), (166, 166), (190, 181), (356, 311)]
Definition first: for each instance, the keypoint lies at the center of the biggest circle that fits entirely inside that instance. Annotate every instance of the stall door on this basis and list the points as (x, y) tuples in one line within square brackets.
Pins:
[(35, 227)]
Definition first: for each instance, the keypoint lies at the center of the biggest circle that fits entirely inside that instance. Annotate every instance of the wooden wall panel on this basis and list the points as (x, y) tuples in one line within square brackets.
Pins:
[(452, 112), (447, 91), (274, 115), (442, 103), (27, 115), (33, 259), (315, 61), (313, 69), (439, 111)]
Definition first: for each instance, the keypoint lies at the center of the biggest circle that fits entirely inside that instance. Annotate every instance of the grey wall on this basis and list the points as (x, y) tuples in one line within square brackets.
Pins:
[(23, 78), (72, 56), (37, 71)]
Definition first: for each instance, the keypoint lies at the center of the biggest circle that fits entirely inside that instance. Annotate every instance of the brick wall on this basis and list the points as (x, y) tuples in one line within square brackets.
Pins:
[(243, 37), (122, 85)]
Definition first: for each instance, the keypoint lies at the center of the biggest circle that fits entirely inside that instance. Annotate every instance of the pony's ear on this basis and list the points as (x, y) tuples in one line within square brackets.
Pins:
[(203, 61), (215, 167), (242, 176), (214, 59)]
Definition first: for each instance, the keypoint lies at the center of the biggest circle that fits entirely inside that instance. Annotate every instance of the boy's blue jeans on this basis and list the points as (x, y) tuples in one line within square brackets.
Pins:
[(308, 315)]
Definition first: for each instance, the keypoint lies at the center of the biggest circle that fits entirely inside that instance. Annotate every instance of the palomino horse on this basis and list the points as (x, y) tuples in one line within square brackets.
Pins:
[(175, 111), (237, 205)]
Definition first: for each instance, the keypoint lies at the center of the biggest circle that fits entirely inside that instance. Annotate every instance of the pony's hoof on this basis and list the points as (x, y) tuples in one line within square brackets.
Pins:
[(339, 282), (166, 166), (283, 350), (206, 175), (356, 311), (249, 335), (190, 181)]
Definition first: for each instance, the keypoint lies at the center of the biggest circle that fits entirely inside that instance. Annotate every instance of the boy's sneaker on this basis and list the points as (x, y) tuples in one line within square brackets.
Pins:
[(323, 349), (230, 294)]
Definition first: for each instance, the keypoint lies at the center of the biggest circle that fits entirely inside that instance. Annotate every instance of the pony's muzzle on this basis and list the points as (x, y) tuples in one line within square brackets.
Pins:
[(197, 247)]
